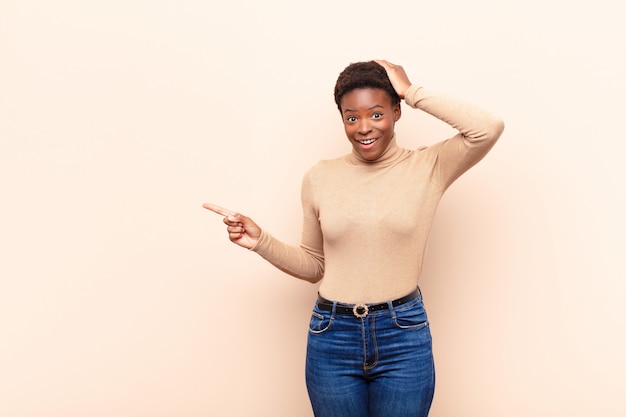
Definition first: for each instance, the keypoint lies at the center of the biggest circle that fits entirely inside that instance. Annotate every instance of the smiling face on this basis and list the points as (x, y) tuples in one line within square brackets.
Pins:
[(369, 119)]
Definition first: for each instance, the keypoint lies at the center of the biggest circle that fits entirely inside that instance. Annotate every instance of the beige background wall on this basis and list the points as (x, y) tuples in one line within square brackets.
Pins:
[(120, 296)]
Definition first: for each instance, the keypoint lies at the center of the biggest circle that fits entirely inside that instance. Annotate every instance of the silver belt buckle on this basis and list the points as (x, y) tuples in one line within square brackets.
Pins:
[(360, 310)]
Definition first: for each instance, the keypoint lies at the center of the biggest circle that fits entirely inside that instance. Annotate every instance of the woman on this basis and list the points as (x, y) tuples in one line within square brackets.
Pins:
[(367, 216)]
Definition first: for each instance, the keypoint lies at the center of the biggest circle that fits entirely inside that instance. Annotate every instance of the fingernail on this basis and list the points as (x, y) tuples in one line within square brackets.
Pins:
[(231, 218)]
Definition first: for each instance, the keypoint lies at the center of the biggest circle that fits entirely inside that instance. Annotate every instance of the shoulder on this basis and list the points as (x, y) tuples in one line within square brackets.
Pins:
[(326, 166), (424, 157), (421, 153), (323, 174), (431, 150)]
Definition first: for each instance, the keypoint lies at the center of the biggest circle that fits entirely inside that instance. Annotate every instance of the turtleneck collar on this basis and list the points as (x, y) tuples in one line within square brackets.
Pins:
[(390, 155)]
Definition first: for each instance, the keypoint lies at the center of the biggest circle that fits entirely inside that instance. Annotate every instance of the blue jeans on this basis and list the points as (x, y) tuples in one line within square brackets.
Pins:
[(380, 365)]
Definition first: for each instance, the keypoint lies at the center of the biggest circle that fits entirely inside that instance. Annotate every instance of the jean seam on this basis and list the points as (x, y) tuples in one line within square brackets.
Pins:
[(412, 327), (404, 307), (320, 316), (371, 366)]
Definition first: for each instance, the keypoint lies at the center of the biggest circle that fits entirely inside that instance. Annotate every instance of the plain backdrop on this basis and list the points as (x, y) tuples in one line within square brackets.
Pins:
[(120, 296)]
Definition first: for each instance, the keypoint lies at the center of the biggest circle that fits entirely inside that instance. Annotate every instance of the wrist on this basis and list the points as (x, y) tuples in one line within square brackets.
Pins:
[(413, 95)]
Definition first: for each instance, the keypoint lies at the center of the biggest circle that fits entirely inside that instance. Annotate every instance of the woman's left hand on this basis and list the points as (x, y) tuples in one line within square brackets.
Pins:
[(397, 76)]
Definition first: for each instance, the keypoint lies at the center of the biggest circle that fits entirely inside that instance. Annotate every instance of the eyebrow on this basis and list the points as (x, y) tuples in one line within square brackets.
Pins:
[(370, 108)]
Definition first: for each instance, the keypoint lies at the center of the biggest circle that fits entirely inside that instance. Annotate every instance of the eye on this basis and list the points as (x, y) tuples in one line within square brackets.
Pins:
[(377, 115), (351, 119)]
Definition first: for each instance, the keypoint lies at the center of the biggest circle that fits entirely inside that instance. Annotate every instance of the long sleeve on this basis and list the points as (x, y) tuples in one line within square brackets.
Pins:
[(307, 260), (478, 132)]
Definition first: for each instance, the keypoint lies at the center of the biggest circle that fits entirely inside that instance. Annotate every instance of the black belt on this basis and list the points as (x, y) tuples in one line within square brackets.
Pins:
[(361, 310)]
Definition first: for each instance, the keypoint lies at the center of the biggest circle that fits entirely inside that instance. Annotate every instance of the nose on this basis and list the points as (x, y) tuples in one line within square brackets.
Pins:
[(364, 127)]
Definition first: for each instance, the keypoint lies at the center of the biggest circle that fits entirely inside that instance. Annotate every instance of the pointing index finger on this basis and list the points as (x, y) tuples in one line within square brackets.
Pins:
[(219, 210)]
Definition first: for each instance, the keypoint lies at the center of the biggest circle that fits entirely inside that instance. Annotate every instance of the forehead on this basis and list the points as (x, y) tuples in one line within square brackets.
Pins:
[(365, 98)]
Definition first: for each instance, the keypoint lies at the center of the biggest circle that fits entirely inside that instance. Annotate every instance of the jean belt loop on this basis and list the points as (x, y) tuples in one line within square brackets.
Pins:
[(334, 310), (392, 309)]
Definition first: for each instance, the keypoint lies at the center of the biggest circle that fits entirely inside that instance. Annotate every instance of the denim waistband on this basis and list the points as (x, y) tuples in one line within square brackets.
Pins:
[(360, 309)]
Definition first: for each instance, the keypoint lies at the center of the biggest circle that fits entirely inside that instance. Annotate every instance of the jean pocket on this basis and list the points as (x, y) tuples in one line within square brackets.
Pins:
[(320, 322), (411, 318)]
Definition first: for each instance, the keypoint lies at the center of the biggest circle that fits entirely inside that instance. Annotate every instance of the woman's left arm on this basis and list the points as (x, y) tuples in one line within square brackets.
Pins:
[(478, 129)]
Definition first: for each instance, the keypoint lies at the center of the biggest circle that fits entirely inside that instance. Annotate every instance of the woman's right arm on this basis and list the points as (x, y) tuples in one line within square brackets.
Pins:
[(305, 261)]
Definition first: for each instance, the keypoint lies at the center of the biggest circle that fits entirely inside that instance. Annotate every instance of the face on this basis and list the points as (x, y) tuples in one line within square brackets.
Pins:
[(369, 119)]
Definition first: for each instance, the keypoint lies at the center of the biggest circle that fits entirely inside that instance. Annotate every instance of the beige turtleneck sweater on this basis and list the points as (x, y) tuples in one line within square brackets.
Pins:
[(366, 224)]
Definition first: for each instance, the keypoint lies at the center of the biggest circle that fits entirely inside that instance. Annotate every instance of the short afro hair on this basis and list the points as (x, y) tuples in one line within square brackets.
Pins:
[(369, 74)]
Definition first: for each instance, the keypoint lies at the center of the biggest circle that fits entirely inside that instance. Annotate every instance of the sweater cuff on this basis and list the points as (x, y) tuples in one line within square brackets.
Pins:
[(263, 241), (413, 95)]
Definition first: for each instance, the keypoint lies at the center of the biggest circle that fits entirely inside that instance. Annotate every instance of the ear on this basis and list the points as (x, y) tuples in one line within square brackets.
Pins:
[(397, 112)]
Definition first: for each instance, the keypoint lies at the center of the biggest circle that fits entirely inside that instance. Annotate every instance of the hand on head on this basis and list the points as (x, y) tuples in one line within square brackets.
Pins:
[(397, 76), (241, 229)]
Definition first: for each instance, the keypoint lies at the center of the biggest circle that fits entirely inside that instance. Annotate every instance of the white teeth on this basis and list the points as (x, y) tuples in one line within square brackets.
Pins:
[(367, 142)]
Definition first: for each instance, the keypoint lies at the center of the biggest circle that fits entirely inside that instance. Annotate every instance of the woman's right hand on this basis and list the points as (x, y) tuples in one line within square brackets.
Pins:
[(241, 229)]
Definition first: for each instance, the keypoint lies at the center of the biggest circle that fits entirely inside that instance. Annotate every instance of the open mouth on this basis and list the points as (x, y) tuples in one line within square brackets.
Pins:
[(367, 141)]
